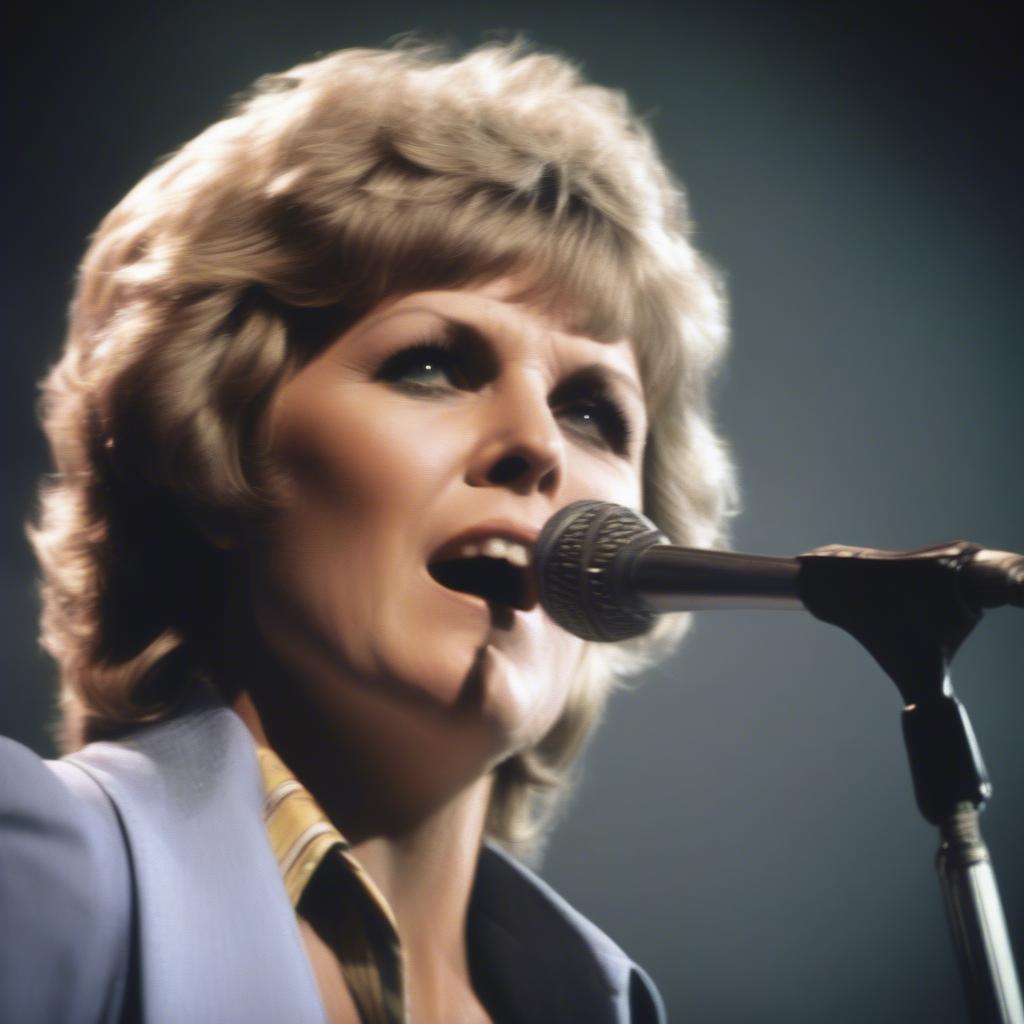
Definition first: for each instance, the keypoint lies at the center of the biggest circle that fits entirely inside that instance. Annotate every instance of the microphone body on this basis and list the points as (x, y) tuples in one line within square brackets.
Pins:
[(665, 578), (605, 572)]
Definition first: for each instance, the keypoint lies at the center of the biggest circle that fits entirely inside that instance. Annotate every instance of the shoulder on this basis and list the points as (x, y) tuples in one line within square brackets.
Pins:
[(566, 962), (65, 892), (209, 903)]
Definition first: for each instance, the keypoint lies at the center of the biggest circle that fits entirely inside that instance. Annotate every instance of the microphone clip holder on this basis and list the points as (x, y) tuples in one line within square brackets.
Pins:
[(908, 610)]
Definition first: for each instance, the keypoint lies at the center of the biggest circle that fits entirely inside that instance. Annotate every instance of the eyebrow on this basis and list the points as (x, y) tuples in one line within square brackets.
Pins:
[(456, 330), (627, 380)]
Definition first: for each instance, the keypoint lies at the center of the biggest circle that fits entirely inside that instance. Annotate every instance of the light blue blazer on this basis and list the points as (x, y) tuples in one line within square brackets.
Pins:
[(137, 884)]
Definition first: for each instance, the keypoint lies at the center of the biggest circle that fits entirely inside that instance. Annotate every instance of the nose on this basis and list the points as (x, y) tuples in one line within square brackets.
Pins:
[(521, 447)]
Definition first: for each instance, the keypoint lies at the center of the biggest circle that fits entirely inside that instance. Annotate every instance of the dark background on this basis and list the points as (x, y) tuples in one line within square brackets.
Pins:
[(746, 827)]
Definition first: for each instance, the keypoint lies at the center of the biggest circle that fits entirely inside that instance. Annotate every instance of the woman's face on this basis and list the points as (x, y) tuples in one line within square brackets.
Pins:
[(422, 453)]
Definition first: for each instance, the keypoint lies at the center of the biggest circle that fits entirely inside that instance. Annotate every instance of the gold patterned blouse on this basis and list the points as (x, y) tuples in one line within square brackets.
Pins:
[(328, 887)]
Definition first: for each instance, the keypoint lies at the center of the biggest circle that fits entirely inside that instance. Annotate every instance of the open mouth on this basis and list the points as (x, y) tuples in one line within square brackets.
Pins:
[(495, 569)]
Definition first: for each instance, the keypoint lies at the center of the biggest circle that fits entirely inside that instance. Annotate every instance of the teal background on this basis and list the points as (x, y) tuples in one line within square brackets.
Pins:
[(745, 826)]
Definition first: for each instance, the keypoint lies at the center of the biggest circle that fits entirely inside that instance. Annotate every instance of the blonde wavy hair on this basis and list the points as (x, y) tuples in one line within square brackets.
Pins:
[(361, 175)]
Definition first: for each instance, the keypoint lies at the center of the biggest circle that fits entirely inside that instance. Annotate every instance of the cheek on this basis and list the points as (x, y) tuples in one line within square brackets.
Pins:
[(602, 479), (340, 461), (338, 575), (374, 459)]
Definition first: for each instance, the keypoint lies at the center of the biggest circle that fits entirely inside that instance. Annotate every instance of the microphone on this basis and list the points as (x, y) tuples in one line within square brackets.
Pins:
[(605, 572)]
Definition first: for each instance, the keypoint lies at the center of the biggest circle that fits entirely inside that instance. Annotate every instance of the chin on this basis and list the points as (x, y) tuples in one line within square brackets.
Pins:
[(484, 696), (436, 686), (520, 703)]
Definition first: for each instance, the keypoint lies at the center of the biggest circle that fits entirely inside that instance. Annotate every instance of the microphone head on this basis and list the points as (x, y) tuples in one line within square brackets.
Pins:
[(576, 583)]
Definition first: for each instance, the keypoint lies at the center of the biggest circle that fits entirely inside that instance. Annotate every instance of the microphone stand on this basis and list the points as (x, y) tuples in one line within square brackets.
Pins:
[(912, 618)]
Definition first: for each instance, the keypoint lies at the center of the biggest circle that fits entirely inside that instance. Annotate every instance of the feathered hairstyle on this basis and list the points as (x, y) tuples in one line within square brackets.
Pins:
[(362, 175)]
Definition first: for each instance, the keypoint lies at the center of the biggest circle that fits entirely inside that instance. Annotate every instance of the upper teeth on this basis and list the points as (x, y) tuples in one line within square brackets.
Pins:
[(497, 547)]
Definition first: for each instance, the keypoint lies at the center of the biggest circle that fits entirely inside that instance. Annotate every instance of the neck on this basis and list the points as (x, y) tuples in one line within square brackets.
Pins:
[(427, 877), (421, 854)]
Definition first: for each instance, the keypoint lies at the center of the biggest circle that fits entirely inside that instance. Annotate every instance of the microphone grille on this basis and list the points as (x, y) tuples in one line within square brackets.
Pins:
[(573, 554)]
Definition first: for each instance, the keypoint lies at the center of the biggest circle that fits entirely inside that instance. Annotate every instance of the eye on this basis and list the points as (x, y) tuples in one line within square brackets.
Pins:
[(424, 368), (598, 420)]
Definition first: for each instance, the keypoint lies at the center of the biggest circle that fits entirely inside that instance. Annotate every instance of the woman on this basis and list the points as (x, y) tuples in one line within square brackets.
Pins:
[(330, 368)]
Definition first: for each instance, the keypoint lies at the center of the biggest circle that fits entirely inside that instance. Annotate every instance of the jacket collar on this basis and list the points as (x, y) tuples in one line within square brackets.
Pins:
[(217, 935)]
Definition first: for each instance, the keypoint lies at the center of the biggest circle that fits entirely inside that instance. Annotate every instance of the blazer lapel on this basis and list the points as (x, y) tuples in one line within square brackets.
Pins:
[(217, 937), (542, 961)]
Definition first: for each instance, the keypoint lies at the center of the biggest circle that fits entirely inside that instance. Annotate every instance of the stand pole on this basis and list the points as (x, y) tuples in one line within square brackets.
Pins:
[(951, 785), (975, 916)]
